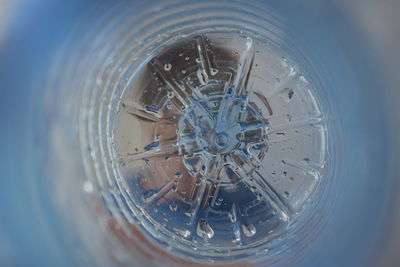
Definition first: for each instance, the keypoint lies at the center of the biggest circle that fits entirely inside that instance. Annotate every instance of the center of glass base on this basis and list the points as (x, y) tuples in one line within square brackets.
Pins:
[(218, 128), (221, 140)]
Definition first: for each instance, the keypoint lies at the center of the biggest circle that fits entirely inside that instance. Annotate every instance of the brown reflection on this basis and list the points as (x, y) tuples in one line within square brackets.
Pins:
[(151, 253)]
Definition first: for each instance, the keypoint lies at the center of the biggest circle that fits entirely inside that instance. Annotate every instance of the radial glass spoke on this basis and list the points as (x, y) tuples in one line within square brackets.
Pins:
[(203, 55), (264, 189), (158, 149), (253, 125), (306, 167), (244, 69), (234, 217), (225, 104), (296, 123), (262, 185), (142, 114), (268, 191), (173, 85), (291, 81), (195, 206), (154, 195)]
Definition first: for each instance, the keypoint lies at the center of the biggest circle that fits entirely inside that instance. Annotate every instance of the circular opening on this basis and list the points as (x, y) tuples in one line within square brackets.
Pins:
[(221, 143)]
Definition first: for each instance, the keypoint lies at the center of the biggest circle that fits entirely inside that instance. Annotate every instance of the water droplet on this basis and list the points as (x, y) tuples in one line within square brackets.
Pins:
[(290, 93), (149, 195), (170, 94), (151, 109), (99, 81), (141, 179), (173, 207), (182, 232), (202, 76), (232, 214), (249, 230), (152, 145), (236, 233), (88, 186), (167, 66), (198, 60), (204, 230), (178, 174)]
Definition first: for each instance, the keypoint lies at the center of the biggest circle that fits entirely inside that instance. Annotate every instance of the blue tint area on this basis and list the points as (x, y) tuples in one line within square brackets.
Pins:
[(29, 235), (339, 51)]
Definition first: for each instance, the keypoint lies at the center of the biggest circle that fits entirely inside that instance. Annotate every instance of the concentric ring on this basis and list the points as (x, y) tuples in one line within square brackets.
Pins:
[(121, 47)]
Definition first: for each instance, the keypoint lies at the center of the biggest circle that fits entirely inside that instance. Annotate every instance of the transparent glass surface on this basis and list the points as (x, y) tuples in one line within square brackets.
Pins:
[(187, 133), (230, 147)]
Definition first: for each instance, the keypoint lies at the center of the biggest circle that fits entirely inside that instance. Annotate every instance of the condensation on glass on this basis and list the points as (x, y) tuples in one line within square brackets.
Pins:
[(220, 143)]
